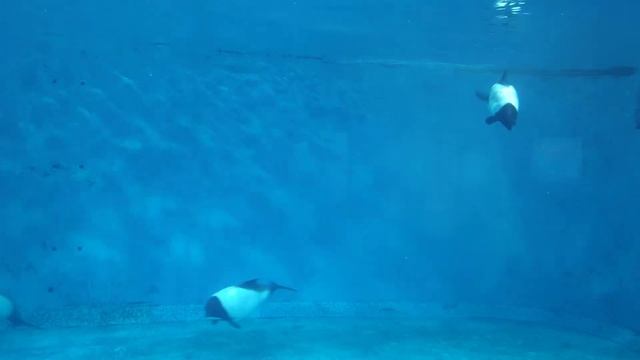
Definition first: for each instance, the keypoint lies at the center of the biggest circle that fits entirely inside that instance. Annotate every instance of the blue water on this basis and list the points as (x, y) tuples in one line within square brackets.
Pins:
[(157, 151)]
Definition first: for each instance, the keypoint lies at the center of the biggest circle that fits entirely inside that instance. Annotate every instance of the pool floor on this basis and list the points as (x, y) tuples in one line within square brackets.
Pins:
[(314, 338)]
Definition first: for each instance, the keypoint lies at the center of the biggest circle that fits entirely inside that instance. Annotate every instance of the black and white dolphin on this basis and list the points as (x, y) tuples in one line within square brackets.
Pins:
[(503, 103), (236, 302)]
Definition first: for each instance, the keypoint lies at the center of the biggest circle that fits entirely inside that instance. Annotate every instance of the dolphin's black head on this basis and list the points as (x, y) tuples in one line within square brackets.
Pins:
[(507, 115), (213, 309)]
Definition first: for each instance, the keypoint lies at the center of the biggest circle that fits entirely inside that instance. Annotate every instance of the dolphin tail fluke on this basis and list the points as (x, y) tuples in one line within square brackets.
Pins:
[(276, 286)]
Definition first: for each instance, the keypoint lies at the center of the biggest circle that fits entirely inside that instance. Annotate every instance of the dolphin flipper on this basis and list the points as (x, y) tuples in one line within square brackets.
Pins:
[(228, 320), (233, 323), (15, 320), (482, 96)]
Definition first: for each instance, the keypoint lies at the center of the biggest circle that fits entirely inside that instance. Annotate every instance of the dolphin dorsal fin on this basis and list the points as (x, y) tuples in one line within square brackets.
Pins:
[(503, 78), (257, 285), (253, 284)]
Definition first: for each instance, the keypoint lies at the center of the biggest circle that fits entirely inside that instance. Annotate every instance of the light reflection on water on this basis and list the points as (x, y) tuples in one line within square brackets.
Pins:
[(509, 8)]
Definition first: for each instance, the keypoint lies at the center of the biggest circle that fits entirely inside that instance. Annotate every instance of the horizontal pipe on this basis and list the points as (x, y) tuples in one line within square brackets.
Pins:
[(613, 71)]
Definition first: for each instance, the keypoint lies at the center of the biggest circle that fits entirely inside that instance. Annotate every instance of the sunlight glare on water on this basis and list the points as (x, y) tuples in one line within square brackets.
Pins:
[(509, 8)]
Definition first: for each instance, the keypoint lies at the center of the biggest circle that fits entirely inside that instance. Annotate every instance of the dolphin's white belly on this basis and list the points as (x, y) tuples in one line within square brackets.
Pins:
[(6, 308), (501, 95), (239, 302)]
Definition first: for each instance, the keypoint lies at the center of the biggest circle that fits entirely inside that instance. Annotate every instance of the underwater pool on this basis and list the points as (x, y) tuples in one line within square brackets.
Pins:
[(156, 154)]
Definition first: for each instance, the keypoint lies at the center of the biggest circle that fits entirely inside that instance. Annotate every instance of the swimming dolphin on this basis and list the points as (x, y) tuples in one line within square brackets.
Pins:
[(236, 302), (503, 103)]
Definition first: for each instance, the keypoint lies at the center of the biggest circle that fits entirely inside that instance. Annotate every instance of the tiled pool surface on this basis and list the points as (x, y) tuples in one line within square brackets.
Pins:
[(338, 331)]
